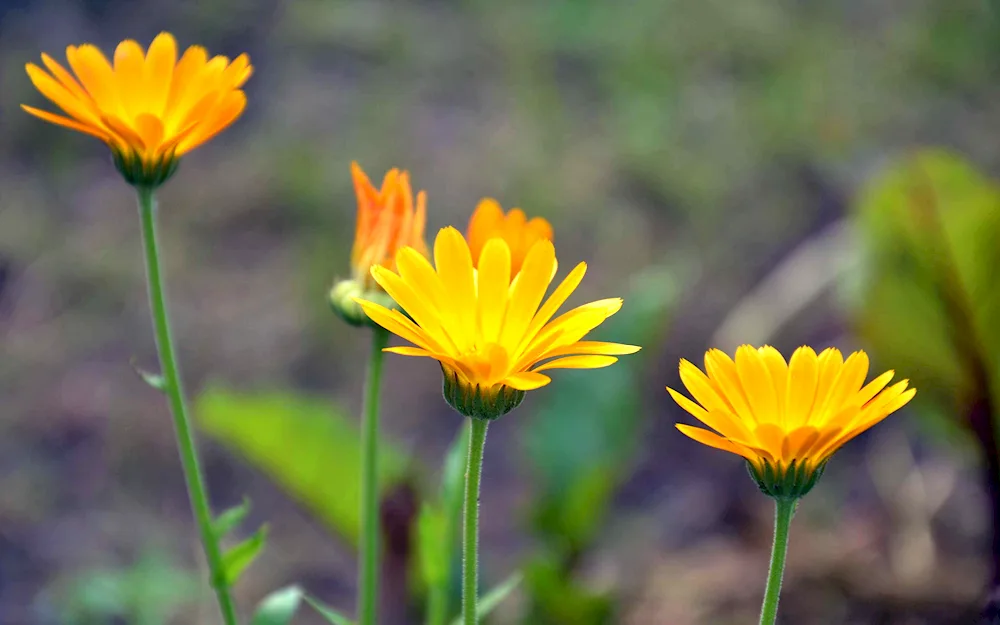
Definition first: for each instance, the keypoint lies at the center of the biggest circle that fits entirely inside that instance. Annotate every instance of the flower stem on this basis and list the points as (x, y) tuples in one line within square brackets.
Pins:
[(370, 525), (784, 509), (470, 532), (175, 393)]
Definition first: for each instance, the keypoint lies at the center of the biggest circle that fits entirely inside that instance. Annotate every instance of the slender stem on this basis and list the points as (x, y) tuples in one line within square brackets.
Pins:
[(370, 525), (470, 532), (175, 393), (784, 509)]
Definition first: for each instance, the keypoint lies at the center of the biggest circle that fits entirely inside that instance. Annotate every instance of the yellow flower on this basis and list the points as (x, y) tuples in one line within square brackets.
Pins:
[(515, 228), (493, 336), (149, 108), (786, 419), (387, 222)]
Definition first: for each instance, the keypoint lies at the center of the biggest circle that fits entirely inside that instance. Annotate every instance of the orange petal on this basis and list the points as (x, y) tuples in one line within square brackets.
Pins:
[(714, 440)]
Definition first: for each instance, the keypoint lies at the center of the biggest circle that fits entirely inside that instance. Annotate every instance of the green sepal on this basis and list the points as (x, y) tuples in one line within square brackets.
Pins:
[(478, 402), (785, 482), (140, 174), (279, 607), (237, 559)]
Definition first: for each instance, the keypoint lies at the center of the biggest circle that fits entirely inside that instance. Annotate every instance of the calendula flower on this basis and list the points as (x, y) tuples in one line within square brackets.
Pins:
[(492, 336), (149, 107), (786, 419), (388, 220), (520, 233)]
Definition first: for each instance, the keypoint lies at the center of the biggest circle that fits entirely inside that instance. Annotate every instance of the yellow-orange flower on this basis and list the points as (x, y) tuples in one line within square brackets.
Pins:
[(515, 228), (149, 107), (388, 220), (775, 413), (492, 335)]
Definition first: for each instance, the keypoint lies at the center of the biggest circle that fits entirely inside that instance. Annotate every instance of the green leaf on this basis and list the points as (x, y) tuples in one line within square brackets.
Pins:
[(279, 607), (930, 295), (331, 615), (155, 380), (307, 445), (238, 558), (431, 538), (576, 474), (230, 519), (489, 601)]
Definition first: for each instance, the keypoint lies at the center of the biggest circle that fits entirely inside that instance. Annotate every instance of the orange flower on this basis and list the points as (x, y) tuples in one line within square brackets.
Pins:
[(387, 222), (515, 228), (148, 107)]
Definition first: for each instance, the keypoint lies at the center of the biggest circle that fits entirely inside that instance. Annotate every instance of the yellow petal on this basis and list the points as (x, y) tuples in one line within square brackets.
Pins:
[(397, 323), (698, 384), (526, 295), (157, 72), (722, 372), (577, 362), (418, 273), (67, 122), (756, 383), (415, 305), (714, 440), (222, 116), (406, 350), (62, 97), (778, 370), (803, 374), (847, 385), (494, 281), (873, 388), (553, 303), (526, 380), (96, 76), (129, 60), (594, 348), (454, 266), (65, 78)]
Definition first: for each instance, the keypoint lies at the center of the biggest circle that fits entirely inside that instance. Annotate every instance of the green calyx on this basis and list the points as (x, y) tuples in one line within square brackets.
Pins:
[(478, 402), (785, 482), (342, 297), (140, 173)]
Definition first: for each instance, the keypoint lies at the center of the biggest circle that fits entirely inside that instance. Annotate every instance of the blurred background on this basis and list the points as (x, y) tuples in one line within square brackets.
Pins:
[(764, 171)]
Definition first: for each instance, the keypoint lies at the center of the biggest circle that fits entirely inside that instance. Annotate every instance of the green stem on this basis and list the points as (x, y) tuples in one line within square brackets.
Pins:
[(470, 532), (370, 525), (784, 509), (175, 393)]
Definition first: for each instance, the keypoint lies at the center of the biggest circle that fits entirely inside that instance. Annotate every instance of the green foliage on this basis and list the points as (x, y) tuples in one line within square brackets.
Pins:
[(931, 294), (148, 593), (236, 559), (331, 615), (577, 474), (306, 445), (279, 607)]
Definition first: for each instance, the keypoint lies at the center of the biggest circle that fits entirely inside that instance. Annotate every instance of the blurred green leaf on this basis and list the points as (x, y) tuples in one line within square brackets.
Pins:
[(230, 519), (279, 607), (431, 539), (576, 474), (306, 445), (148, 593), (331, 615), (931, 294), (557, 598), (489, 601), (236, 559)]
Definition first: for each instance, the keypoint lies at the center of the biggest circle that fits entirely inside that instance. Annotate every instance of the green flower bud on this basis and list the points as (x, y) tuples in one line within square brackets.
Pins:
[(342, 297)]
